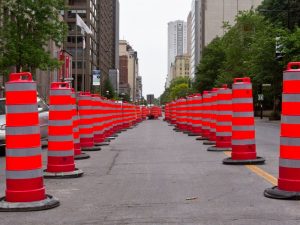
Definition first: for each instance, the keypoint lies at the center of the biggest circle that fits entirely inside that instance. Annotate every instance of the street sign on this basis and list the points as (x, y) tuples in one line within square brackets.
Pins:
[(96, 77), (260, 97), (68, 78), (266, 85)]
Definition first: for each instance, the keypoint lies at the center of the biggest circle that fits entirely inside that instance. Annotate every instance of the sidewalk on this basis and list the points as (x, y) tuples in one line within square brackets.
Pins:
[(153, 175)]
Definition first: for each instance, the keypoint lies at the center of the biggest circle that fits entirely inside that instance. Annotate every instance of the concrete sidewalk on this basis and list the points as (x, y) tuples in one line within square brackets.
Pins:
[(153, 175)]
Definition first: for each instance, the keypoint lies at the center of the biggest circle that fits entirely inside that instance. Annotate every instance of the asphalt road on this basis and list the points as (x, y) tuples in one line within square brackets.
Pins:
[(153, 175)]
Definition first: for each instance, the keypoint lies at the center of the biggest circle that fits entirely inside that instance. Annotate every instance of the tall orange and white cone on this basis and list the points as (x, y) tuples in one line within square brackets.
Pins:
[(289, 161), (243, 127), (223, 120), (25, 190)]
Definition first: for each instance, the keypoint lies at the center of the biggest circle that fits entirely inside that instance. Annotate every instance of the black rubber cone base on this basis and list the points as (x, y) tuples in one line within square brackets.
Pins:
[(257, 161), (49, 203), (102, 144), (81, 156), (216, 149), (91, 149), (208, 142), (201, 138), (275, 193), (61, 175), (192, 135)]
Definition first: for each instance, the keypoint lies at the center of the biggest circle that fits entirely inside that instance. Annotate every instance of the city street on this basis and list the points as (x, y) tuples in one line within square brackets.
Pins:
[(153, 175)]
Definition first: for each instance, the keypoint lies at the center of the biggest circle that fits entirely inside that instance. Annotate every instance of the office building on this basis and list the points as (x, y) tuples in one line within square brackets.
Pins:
[(181, 67), (96, 51), (123, 81), (129, 69), (218, 12), (189, 34), (139, 89), (197, 42), (114, 79), (177, 43), (208, 18)]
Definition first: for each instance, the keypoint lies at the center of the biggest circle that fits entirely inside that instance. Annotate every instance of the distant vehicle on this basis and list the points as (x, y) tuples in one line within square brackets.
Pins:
[(43, 110)]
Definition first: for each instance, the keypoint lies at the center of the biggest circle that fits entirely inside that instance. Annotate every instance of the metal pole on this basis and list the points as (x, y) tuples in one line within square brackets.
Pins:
[(83, 66), (76, 60), (261, 110)]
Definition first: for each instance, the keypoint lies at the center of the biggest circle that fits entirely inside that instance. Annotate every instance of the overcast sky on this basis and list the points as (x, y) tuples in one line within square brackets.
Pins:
[(144, 23)]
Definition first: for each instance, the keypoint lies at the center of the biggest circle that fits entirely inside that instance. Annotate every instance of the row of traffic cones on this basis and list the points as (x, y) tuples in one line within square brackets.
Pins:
[(73, 128), (224, 118), (220, 117)]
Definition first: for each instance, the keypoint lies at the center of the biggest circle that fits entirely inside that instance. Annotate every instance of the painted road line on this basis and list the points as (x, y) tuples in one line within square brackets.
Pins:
[(260, 172)]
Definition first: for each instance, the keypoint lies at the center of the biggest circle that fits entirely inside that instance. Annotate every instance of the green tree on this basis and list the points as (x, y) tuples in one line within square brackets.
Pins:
[(248, 49), (285, 13), (210, 65), (124, 97), (291, 46), (165, 97), (180, 90), (27, 27), (108, 90), (179, 87)]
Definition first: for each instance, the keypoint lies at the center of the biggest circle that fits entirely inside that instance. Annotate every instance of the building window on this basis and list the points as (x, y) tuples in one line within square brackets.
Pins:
[(72, 39), (77, 2)]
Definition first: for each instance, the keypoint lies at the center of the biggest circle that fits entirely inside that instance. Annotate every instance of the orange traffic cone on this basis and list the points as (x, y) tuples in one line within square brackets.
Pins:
[(223, 120), (243, 128), (25, 190), (60, 163), (289, 162)]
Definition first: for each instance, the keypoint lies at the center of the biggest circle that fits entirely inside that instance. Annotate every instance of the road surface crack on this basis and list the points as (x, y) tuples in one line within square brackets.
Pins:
[(112, 163)]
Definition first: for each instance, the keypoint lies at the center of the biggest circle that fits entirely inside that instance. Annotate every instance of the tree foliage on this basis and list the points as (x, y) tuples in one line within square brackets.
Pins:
[(27, 28), (108, 90), (248, 49), (258, 46), (179, 87), (209, 68), (285, 13)]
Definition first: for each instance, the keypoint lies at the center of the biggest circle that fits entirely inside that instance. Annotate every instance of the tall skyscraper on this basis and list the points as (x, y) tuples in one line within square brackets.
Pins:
[(189, 34), (177, 43)]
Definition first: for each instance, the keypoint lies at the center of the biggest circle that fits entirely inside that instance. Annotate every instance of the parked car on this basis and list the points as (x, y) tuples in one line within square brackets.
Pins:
[(43, 110)]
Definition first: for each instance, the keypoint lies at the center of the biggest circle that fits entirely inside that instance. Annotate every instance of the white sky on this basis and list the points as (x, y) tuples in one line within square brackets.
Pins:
[(144, 23)]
